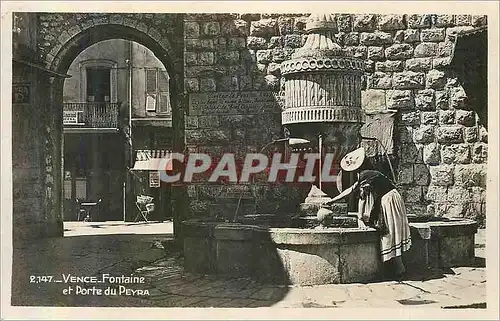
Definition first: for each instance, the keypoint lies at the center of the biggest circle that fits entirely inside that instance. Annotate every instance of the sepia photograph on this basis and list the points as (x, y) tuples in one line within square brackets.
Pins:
[(262, 155)]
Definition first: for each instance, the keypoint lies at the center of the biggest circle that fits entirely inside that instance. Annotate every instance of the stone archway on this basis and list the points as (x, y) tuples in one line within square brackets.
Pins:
[(61, 37)]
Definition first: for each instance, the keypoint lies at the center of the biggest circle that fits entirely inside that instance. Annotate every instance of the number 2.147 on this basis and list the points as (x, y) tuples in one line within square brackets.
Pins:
[(41, 278)]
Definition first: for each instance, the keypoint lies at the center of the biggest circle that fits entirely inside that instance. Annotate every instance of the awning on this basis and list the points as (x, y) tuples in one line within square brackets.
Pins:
[(151, 160)]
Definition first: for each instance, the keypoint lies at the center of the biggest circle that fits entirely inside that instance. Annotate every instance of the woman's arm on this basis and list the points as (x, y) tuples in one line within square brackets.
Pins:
[(343, 194)]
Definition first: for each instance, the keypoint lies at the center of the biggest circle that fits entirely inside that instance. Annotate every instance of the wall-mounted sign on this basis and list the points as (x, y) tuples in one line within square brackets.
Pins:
[(72, 117), (233, 103), (20, 94), (154, 179)]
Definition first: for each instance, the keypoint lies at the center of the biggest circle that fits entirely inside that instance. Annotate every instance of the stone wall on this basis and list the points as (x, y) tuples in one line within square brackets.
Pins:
[(36, 140), (441, 149)]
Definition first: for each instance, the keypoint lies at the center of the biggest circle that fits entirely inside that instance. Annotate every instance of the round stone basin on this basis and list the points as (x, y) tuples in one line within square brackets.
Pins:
[(271, 251)]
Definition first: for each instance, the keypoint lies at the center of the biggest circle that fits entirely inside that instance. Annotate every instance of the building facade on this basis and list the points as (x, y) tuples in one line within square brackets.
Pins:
[(99, 147)]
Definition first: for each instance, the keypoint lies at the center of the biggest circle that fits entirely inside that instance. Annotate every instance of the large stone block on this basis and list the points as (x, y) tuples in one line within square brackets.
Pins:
[(356, 51), (191, 29), (351, 39), (456, 154), (441, 62), (447, 117), (419, 21), (444, 20), (471, 134), (405, 134), (413, 194), (466, 117), (424, 100), (263, 28), (421, 174), (410, 151), (437, 193), (344, 22), (293, 41), (410, 118), (483, 134), (380, 80), (426, 49), (408, 80), (432, 35), (424, 134), (435, 79), (462, 20), (442, 99), (471, 175), (365, 22), (275, 42), (376, 38), (418, 64), (408, 36), (206, 58), (442, 175), (405, 174), (191, 85), (389, 65), (391, 22), (256, 43), (376, 53), (450, 134), (400, 99), (236, 43), (458, 97), (208, 85), (285, 25), (237, 27), (190, 58), (429, 118), (458, 194), (480, 153), (399, 51), (373, 99), (479, 20), (211, 28)]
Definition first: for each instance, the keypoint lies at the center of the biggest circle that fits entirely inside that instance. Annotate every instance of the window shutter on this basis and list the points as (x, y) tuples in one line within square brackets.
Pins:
[(163, 92), (164, 103), (151, 81), (162, 81)]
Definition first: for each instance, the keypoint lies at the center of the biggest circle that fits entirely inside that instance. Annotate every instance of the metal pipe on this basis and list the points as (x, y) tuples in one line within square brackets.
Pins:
[(320, 150)]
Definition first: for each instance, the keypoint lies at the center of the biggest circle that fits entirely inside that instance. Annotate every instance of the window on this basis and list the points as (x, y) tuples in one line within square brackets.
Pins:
[(157, 93), (98, 84)]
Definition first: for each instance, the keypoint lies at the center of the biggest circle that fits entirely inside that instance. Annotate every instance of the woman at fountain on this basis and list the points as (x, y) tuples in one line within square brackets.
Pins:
[(380, 206)]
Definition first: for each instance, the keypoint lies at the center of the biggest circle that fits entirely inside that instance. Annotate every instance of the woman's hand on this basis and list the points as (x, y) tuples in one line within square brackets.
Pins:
[(362, 225), (329, 203)]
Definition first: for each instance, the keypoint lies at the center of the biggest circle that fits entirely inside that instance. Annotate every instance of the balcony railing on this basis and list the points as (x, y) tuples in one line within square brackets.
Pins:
[(90, 115)]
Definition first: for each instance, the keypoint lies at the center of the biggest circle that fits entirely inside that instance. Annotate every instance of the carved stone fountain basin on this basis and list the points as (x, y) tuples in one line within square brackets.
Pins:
[(289, 255)]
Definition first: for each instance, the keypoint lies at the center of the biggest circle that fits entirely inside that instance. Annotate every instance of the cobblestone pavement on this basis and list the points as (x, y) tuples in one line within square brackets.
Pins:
[(172, 287), (168, 285)]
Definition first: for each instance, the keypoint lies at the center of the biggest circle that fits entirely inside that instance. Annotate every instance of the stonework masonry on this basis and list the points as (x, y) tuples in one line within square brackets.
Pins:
[(441, 153), (441, 148)]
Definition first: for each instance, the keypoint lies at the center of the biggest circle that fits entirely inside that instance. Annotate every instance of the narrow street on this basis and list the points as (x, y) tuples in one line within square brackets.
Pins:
[(144, 250)]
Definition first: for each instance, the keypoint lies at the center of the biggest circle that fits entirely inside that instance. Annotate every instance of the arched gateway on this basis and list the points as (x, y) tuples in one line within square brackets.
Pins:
[(39, 70)]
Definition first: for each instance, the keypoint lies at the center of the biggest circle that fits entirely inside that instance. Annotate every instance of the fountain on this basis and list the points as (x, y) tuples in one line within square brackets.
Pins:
[(322, 104)]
